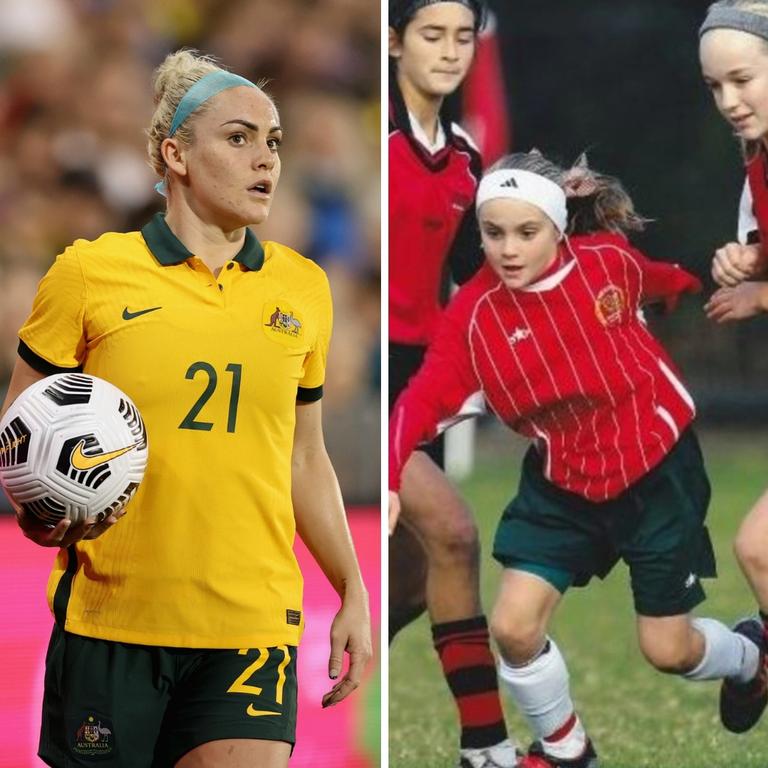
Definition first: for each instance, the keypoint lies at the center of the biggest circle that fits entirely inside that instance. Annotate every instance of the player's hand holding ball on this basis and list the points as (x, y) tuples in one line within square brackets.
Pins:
[(73, 450)]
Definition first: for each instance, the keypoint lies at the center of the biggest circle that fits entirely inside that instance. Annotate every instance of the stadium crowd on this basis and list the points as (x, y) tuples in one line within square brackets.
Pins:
[(73, 164)]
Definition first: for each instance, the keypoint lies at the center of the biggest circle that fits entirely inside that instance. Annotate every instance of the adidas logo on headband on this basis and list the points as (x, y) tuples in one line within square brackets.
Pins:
[(529, 187)]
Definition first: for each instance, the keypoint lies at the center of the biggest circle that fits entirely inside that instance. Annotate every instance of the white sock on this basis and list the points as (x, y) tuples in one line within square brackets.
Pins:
[(568, 742), (726, 653), (540, 690)]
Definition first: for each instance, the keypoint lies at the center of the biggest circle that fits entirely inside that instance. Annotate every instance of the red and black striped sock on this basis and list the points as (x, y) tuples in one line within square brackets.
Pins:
[(470, 670)]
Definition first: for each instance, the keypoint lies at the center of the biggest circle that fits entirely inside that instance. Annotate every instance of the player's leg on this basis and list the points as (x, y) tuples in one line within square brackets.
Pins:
[(697, 648), (407, 579), (433, 509), (533, 669), (103, 703), (547, 540), (668, 550), (238, 753), (706, 649), (444, 525), (231, 709), (751, 549), (407, 558), (741, 705)]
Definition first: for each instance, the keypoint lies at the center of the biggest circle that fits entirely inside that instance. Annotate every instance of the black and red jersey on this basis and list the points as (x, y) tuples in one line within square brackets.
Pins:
[(567, 362), (431, 222)]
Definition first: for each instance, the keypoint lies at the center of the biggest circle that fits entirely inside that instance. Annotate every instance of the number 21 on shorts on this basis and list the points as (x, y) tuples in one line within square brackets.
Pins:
[(245, 681)]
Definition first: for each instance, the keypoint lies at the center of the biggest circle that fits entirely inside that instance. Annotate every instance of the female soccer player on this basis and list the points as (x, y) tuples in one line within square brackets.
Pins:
[(550, 334), (734, 62), (433, 174), (177, 626)]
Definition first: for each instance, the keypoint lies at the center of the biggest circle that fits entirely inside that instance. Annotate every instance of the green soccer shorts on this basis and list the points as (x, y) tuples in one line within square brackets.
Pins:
[(656, 526), (118, 705)]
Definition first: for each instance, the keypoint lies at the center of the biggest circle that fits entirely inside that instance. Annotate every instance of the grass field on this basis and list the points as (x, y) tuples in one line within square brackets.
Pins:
[(637, 717)]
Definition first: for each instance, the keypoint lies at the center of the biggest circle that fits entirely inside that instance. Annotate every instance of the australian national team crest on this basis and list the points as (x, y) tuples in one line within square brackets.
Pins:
[(280, 319), (94, 737), (610, 305)]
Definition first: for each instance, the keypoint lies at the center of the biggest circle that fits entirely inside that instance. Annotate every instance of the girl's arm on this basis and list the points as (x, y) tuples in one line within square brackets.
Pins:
[(661, 281), (445, 390)]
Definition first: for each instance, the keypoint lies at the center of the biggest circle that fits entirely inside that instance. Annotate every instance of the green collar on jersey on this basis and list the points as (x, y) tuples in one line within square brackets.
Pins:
[(169, 250)]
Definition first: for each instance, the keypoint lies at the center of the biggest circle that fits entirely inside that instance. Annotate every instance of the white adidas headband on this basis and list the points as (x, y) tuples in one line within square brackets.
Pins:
[(514, 184)]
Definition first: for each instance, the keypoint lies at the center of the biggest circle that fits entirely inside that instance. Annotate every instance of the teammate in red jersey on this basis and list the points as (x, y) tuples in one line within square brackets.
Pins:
[(550, 333), (734, 62), (433, 173)]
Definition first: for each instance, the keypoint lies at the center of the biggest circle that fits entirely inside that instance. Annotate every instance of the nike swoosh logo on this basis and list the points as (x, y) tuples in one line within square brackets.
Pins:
[(259, 712), (82, 462), (128, 315)]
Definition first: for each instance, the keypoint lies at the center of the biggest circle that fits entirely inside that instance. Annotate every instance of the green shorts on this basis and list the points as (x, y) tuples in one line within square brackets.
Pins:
[(117, 705), (656, 526)]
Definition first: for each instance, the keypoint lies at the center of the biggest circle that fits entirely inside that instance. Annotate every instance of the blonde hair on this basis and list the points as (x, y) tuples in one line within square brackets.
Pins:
[(749, 148), (595, 201), (173, 78)]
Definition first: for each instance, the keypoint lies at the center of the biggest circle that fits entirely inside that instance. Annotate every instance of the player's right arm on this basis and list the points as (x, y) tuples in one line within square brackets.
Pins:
[(53, 340), (436, 396), (23, 376)]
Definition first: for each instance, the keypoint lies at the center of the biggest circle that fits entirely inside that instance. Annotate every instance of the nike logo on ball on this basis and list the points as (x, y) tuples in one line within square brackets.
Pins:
[(259, 712), (128, 315), (82, 462)]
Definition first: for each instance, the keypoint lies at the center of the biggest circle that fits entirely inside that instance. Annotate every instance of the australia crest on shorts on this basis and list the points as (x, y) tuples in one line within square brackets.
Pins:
[(94, 737), (610, 305)]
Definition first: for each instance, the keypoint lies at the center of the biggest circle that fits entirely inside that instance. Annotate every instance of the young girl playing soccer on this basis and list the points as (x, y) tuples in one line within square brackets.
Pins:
[(434, 170), (734, 62), (550, 333)]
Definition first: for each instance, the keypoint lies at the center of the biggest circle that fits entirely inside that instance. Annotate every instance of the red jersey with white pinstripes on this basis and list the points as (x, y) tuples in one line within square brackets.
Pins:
[(567, 361)]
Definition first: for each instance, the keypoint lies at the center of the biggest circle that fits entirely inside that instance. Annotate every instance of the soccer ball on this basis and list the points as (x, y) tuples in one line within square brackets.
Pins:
[(72, 446)]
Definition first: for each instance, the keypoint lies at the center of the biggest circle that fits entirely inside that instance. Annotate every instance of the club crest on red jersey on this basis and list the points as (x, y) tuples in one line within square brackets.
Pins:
[(610, 305)]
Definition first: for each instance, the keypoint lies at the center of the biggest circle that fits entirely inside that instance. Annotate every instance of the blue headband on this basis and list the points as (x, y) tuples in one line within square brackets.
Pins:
[(206, 87)]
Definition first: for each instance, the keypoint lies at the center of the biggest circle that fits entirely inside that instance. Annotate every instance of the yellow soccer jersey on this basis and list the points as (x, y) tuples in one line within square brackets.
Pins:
[(204, 556)]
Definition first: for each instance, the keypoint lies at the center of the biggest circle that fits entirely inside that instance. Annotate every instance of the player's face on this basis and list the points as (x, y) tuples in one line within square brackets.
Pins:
[(436, 48), (735, 68), (233, 163), (519, 240)]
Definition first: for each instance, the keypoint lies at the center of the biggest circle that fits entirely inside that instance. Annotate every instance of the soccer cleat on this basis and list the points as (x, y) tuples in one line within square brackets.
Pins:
[(741, 704), (501, 755), (538, 758)]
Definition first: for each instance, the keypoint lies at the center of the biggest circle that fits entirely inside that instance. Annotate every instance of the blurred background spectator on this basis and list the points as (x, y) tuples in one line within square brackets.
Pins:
[(75, 99)]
